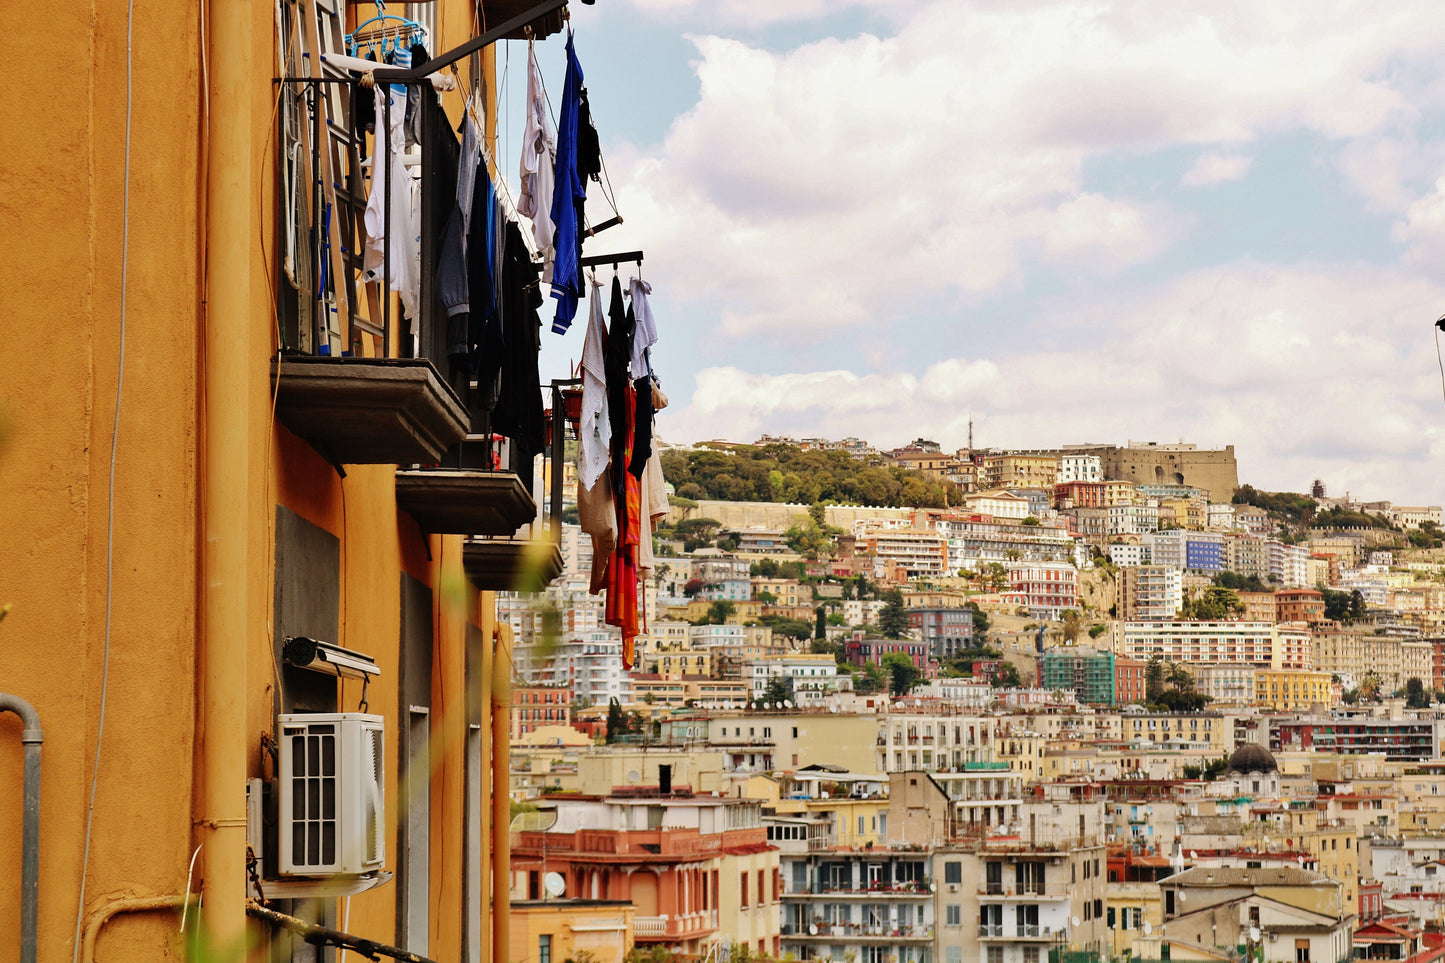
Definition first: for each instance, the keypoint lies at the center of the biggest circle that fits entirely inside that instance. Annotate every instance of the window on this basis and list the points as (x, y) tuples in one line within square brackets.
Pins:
[(1301, 951), (760, 886), (995, 954), (1031, 954), (743, 888), (953, 872), (544, 948), (953, 914)]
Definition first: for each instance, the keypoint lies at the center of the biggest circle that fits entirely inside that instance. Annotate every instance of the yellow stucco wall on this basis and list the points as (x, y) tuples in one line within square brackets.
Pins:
[(56, 412)]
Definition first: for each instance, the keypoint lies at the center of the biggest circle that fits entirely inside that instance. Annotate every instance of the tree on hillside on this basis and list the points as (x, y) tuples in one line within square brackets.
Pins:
[(1073, 626), (980, 620), (1213, 604), (820, 623), (1415, 695), (779, 689), (1153, 679), (1344, 606), (893, 619), (718, 612), (903, 675)]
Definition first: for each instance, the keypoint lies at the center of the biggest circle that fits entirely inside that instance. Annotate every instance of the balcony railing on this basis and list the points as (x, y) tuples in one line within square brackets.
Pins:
[(682, 926)]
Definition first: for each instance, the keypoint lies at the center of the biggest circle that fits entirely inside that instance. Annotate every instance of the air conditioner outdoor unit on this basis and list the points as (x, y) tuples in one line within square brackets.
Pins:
[(332, 792)]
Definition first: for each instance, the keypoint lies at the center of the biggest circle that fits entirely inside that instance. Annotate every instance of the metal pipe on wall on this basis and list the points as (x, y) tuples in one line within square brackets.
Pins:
[(31, 736), (501, 798), (231, 313)]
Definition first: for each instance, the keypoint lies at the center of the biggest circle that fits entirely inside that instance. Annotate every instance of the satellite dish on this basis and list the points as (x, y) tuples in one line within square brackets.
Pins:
[(1254, 934), (1076, 921), (1148, 927), (554, 884), (633, 776), (812, 929), (1193, 854), (787, 703)]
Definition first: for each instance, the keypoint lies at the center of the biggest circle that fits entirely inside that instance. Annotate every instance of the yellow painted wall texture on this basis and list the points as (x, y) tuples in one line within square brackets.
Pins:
[(63, 228)]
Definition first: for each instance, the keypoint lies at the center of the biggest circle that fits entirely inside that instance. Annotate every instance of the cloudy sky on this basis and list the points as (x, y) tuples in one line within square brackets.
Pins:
[(1069, 221)]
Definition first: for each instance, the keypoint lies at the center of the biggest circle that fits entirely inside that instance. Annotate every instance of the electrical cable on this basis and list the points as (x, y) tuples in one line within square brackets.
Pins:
[(110, 496), (1438, 358)]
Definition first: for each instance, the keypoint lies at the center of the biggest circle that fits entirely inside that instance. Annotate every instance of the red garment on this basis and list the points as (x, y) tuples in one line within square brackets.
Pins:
[(622, 572)]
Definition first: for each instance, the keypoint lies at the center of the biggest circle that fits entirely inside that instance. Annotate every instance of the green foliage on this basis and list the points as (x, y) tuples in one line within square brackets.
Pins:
[(778, 689), (902, 674), (893, 619), (1170, 687), (1344, 518), (619, 723), (1073, 626), (1031, 520), (764, 568), (824, 647), (1213, 604), (1416, 697), (1097, 630), (980, 619), (718, 612), (1008, 676), (799, 629), (1210, 772), (1289, 506), (787, 474), (1240, 583), (1344, 606)]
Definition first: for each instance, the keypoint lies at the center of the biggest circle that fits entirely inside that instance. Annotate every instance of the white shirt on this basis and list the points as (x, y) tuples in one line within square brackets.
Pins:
[(539, 163), (594, 442), (645, 334)]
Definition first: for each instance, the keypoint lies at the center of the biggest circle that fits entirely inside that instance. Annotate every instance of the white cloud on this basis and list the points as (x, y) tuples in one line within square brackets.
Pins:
[(806, 189), (1310, 372), (1216, 169)]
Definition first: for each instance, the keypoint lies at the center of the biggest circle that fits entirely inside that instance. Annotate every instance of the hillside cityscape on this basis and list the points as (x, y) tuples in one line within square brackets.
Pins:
[(914, 705)]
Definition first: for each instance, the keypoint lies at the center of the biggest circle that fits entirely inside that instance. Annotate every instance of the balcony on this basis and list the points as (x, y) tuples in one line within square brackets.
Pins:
[(368, 411), (681, 927), (511, 565), (1020, 931), (862, 932), (1032, 892), (890, 891), (451, 501)]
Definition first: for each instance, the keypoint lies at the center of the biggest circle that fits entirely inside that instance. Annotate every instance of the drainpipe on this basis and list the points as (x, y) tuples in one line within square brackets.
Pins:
[(231, 312), (31, 737), (501, 786)]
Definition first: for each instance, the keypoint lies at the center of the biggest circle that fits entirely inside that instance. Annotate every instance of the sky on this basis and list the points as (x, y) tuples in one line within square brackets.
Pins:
[(1066, 221)]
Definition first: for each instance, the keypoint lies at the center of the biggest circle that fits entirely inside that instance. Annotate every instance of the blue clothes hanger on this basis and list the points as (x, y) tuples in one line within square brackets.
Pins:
[(390, 34)]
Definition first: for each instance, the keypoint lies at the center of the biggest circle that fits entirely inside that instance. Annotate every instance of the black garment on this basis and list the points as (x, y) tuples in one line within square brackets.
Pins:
[(642, 432), (519, 413), (414, 99), (475, 331), (589, 147), (616, 364), (440, 234), (363, 113)]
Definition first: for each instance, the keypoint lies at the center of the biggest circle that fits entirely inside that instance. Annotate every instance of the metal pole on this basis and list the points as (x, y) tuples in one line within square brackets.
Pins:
[(31, 737), (559, 445), (318, 303), (386, 228)]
